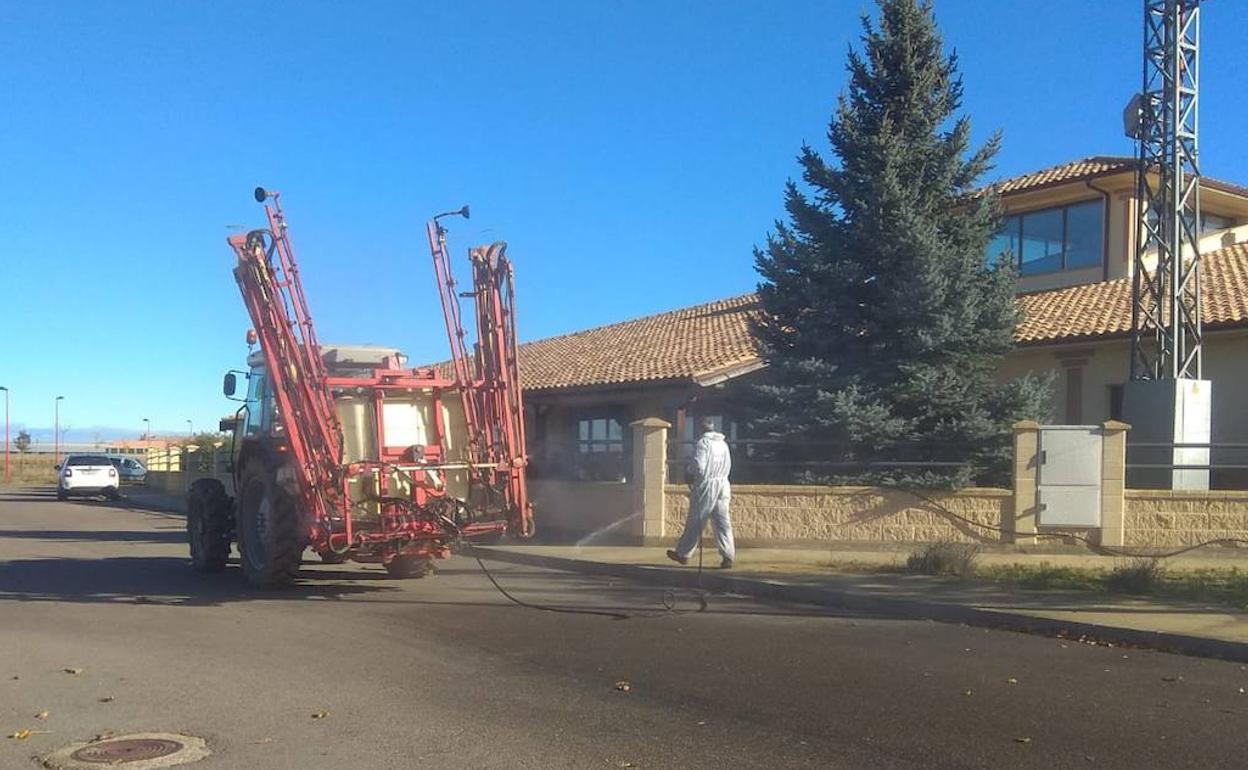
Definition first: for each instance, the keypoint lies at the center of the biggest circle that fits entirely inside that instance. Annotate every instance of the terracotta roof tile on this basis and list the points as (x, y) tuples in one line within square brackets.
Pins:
[(1091, 168), (695, 342), (1104, 309), (1087, 168), (678, 345)]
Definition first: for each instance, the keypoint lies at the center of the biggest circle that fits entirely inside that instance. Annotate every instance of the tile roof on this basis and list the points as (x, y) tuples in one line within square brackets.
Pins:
[(1087, 168), (686, 344), (1104, 309), (1091, 168), (698, 342)]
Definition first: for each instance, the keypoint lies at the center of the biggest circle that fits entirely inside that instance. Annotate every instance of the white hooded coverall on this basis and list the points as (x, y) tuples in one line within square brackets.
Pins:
[(709, 495)]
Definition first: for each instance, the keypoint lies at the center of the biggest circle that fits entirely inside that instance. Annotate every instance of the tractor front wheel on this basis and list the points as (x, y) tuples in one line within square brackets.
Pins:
[(209, 522), (270, 532)]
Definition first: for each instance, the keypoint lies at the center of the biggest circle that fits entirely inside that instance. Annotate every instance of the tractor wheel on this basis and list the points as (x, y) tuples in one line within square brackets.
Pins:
[(270, 531), (329, 557), (410, 567), (209, 522)]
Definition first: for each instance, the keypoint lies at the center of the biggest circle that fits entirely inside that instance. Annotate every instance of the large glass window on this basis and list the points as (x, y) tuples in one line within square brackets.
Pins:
[(1050, 240), (1085, 244), (601, 451), (1042, 242)]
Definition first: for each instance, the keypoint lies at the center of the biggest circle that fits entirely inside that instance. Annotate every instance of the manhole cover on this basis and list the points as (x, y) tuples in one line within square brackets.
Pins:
[(116, 752), (144, 751)]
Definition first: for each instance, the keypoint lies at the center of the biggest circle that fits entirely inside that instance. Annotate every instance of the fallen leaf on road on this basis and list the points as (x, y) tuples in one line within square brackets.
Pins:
[(623, 686), (1012, 680), (1172, 679), (966, 692), (627, 764), (107, 699), (266, 739), (1022, 740), (73, 671), (320, 715), (41, 715), (1241, 691), (21, 735)]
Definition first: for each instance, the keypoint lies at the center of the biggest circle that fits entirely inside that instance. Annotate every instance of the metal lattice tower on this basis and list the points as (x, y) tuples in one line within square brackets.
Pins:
[(1166, 329)]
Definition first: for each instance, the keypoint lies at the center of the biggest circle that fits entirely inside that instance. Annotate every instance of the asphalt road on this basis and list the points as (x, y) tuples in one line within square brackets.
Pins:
[(445, 673)]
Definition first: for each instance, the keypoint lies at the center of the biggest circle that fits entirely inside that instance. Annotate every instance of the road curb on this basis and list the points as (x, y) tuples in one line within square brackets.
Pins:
[(944, 612)]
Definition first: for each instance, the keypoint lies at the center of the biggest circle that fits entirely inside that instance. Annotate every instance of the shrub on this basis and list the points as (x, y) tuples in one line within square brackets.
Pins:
[(944, 558), (1139, 576)]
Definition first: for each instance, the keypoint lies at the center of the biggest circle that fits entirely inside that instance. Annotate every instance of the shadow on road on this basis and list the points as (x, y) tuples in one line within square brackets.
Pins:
[(168, 580), (96, 536), (147, 580)]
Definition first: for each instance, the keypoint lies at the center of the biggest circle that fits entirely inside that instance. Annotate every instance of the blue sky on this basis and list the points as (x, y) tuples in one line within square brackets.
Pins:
[(632, 153)]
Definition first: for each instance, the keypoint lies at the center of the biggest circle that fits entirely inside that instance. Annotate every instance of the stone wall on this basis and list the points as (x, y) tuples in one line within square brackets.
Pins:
[(865, 514), (1164, 518)]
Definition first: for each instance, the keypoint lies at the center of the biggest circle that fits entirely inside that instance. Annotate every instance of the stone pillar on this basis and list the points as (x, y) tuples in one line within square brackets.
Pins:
[(649, 475), (1020, 528), (1113, 482)]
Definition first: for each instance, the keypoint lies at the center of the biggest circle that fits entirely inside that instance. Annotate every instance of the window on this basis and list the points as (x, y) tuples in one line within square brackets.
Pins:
[(257, 401), (1211, 223), (601, 452), (599, 434), (1051, 240)]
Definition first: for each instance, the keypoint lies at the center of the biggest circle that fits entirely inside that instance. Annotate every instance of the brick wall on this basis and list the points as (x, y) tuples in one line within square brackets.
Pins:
[(1165, 518), (871, 514)]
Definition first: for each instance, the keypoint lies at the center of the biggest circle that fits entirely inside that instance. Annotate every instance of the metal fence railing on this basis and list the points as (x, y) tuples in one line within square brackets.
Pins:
[(1151, 463), (762, 461)]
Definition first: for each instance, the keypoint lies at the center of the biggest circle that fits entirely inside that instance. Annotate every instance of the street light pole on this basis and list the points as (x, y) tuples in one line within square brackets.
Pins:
[(56, 429), (147, 429), (190, 431), (7, 475)]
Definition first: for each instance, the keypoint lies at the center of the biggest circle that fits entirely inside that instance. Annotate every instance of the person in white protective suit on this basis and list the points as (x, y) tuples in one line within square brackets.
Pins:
[(709, 495)]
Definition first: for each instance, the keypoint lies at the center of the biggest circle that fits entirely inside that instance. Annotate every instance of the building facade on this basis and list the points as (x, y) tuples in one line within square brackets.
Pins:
[(1072, 230)]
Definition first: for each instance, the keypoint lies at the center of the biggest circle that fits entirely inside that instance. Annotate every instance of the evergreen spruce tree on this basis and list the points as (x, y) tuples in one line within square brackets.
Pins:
[(882, 322)]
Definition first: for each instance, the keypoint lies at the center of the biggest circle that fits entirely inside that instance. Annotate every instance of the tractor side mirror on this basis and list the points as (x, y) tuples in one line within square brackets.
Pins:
[(228, 424), (230, 384)]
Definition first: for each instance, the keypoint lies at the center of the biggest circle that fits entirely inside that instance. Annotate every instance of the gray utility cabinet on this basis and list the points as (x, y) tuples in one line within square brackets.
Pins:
[(1068, 476)]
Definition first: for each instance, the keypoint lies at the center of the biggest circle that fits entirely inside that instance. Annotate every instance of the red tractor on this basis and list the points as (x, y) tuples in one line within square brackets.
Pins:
[(344, 450)]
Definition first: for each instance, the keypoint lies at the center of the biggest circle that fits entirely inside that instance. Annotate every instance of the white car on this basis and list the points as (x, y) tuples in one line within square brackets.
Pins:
[(87, 475)]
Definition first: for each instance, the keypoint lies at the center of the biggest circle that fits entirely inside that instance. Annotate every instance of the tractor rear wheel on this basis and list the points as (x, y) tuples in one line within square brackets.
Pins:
[(270, 531), (209, 522), (410, 567)]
